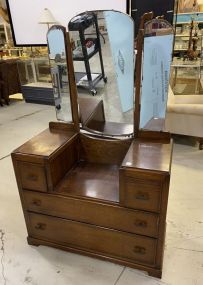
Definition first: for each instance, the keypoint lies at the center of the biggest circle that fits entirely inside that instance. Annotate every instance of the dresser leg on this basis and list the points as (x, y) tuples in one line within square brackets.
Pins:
[(155, 273), (32, 241), (200, 143)]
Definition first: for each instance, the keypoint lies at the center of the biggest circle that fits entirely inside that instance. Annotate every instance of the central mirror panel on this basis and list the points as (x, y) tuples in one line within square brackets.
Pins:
[(104, 68)]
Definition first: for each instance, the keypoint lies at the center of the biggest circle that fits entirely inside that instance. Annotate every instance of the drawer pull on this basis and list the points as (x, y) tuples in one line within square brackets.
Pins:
[(36, 202), (142, 196), (32, 177), (140, 250), (140, 223), (40, 226)]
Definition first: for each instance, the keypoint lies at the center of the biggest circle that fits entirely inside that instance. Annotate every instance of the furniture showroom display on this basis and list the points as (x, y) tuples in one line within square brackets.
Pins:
[(36, 80), (100, 194)]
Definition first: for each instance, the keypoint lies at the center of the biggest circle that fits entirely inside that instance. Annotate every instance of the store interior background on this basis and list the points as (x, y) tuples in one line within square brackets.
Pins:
[(25, 70)]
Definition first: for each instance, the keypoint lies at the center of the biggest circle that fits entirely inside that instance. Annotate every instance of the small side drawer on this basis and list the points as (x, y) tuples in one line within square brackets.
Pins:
[(140, 192), (96, 239), (32, 176), (104, 215)]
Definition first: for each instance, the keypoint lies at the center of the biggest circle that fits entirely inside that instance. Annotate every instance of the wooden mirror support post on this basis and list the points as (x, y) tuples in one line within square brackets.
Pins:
[(101, 197)]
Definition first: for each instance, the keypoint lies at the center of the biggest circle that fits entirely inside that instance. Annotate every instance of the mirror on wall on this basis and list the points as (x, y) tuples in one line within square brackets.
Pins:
[(157, 56), (56, 39), (104, 69)]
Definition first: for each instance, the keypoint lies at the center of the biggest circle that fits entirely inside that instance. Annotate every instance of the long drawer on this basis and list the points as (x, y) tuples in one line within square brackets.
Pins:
[(95, 213), (112, 243)]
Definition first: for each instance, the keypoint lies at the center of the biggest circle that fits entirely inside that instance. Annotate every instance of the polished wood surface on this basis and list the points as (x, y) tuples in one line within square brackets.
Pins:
[(110, 128), (92, 180), (149, 155), (105, 151), (152, 271), (32, 176), (90, 107), (93, 212), (45, 143), (112, 243), (155, 124), (119, 186)]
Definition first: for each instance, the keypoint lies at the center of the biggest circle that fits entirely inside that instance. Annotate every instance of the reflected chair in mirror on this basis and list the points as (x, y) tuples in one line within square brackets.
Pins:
[(86, 192)]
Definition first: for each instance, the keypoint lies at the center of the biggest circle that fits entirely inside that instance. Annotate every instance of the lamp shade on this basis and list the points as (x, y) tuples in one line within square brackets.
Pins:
[(47, 17)]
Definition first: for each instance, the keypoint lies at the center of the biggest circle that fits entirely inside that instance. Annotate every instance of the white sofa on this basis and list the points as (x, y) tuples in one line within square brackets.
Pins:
[(185, 115)]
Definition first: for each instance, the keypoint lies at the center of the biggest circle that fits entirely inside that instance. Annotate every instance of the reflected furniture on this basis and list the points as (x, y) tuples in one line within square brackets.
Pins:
[(185, 115), (80, 25), (92, 193), (35, 80), (9, 78)]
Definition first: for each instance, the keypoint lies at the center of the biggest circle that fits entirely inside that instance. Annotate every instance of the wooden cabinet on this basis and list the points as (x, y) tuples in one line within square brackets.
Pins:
[(102, 198)]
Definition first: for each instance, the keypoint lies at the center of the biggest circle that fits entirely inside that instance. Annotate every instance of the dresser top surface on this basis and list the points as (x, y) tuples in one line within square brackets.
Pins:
[(149, 155), (45, 143)]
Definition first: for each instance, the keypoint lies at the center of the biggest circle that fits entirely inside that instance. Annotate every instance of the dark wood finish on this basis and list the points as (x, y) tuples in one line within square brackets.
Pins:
[(138, 70), (105, 198), (113, 243), (93, 212), (151, 270), (97, 150), (140, 191), (200, 143), (92, 180), (89, 107), (32, 176)]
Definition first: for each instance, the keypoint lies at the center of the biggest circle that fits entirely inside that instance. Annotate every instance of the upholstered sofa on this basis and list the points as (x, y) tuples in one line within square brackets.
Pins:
[(185, 115)]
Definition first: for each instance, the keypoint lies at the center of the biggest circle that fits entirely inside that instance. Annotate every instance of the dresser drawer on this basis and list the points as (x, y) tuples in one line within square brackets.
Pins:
[(141, 192), (32, 176), (112, 243), (95, 213)]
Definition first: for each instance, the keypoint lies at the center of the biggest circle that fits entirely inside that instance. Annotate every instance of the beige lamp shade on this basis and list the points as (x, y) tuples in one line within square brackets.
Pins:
[(47, 17)]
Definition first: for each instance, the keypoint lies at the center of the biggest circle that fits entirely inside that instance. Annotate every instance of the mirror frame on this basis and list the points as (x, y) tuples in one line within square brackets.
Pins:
[(70, 73)]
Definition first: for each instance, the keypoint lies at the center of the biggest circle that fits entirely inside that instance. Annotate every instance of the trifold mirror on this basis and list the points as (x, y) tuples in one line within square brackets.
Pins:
[(104, 63)]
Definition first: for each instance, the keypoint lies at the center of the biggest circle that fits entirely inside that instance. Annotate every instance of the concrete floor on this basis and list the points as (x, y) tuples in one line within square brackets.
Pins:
[(24, 264)]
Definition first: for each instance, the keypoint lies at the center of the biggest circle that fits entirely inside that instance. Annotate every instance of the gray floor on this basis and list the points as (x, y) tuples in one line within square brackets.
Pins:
[(24, 264)]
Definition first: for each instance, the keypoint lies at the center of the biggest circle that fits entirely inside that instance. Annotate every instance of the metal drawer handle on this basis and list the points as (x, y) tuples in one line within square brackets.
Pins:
[(140, 223), (32, 177), (40, 226), (140, 250), (142, 196), (36, 202)]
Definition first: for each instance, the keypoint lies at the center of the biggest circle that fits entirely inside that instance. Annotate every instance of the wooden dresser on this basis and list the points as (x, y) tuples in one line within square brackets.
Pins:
[(103, 198)]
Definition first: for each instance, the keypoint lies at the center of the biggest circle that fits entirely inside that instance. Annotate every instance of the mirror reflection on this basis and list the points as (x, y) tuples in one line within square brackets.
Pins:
[(104, 67), (59, 72), (158, 46)]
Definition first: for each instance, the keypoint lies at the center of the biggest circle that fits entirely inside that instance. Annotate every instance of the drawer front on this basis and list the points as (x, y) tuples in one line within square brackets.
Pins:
[(32, 176), (141, 192), (109, 216), (112, 243)]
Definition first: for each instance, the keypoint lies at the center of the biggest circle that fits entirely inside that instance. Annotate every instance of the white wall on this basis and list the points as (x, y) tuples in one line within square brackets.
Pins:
[(26, 13)]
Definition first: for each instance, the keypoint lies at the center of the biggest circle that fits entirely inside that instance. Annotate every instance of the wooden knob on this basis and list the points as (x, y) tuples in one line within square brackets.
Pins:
[(140, 250), (40, 226), (32, 177), (142, 196), (140, 223), (36, 202)]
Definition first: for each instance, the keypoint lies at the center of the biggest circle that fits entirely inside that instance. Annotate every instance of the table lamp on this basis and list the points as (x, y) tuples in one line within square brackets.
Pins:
[(47, 18)]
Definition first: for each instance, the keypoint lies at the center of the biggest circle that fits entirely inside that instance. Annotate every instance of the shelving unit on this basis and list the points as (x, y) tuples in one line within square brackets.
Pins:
[(80, 24)]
